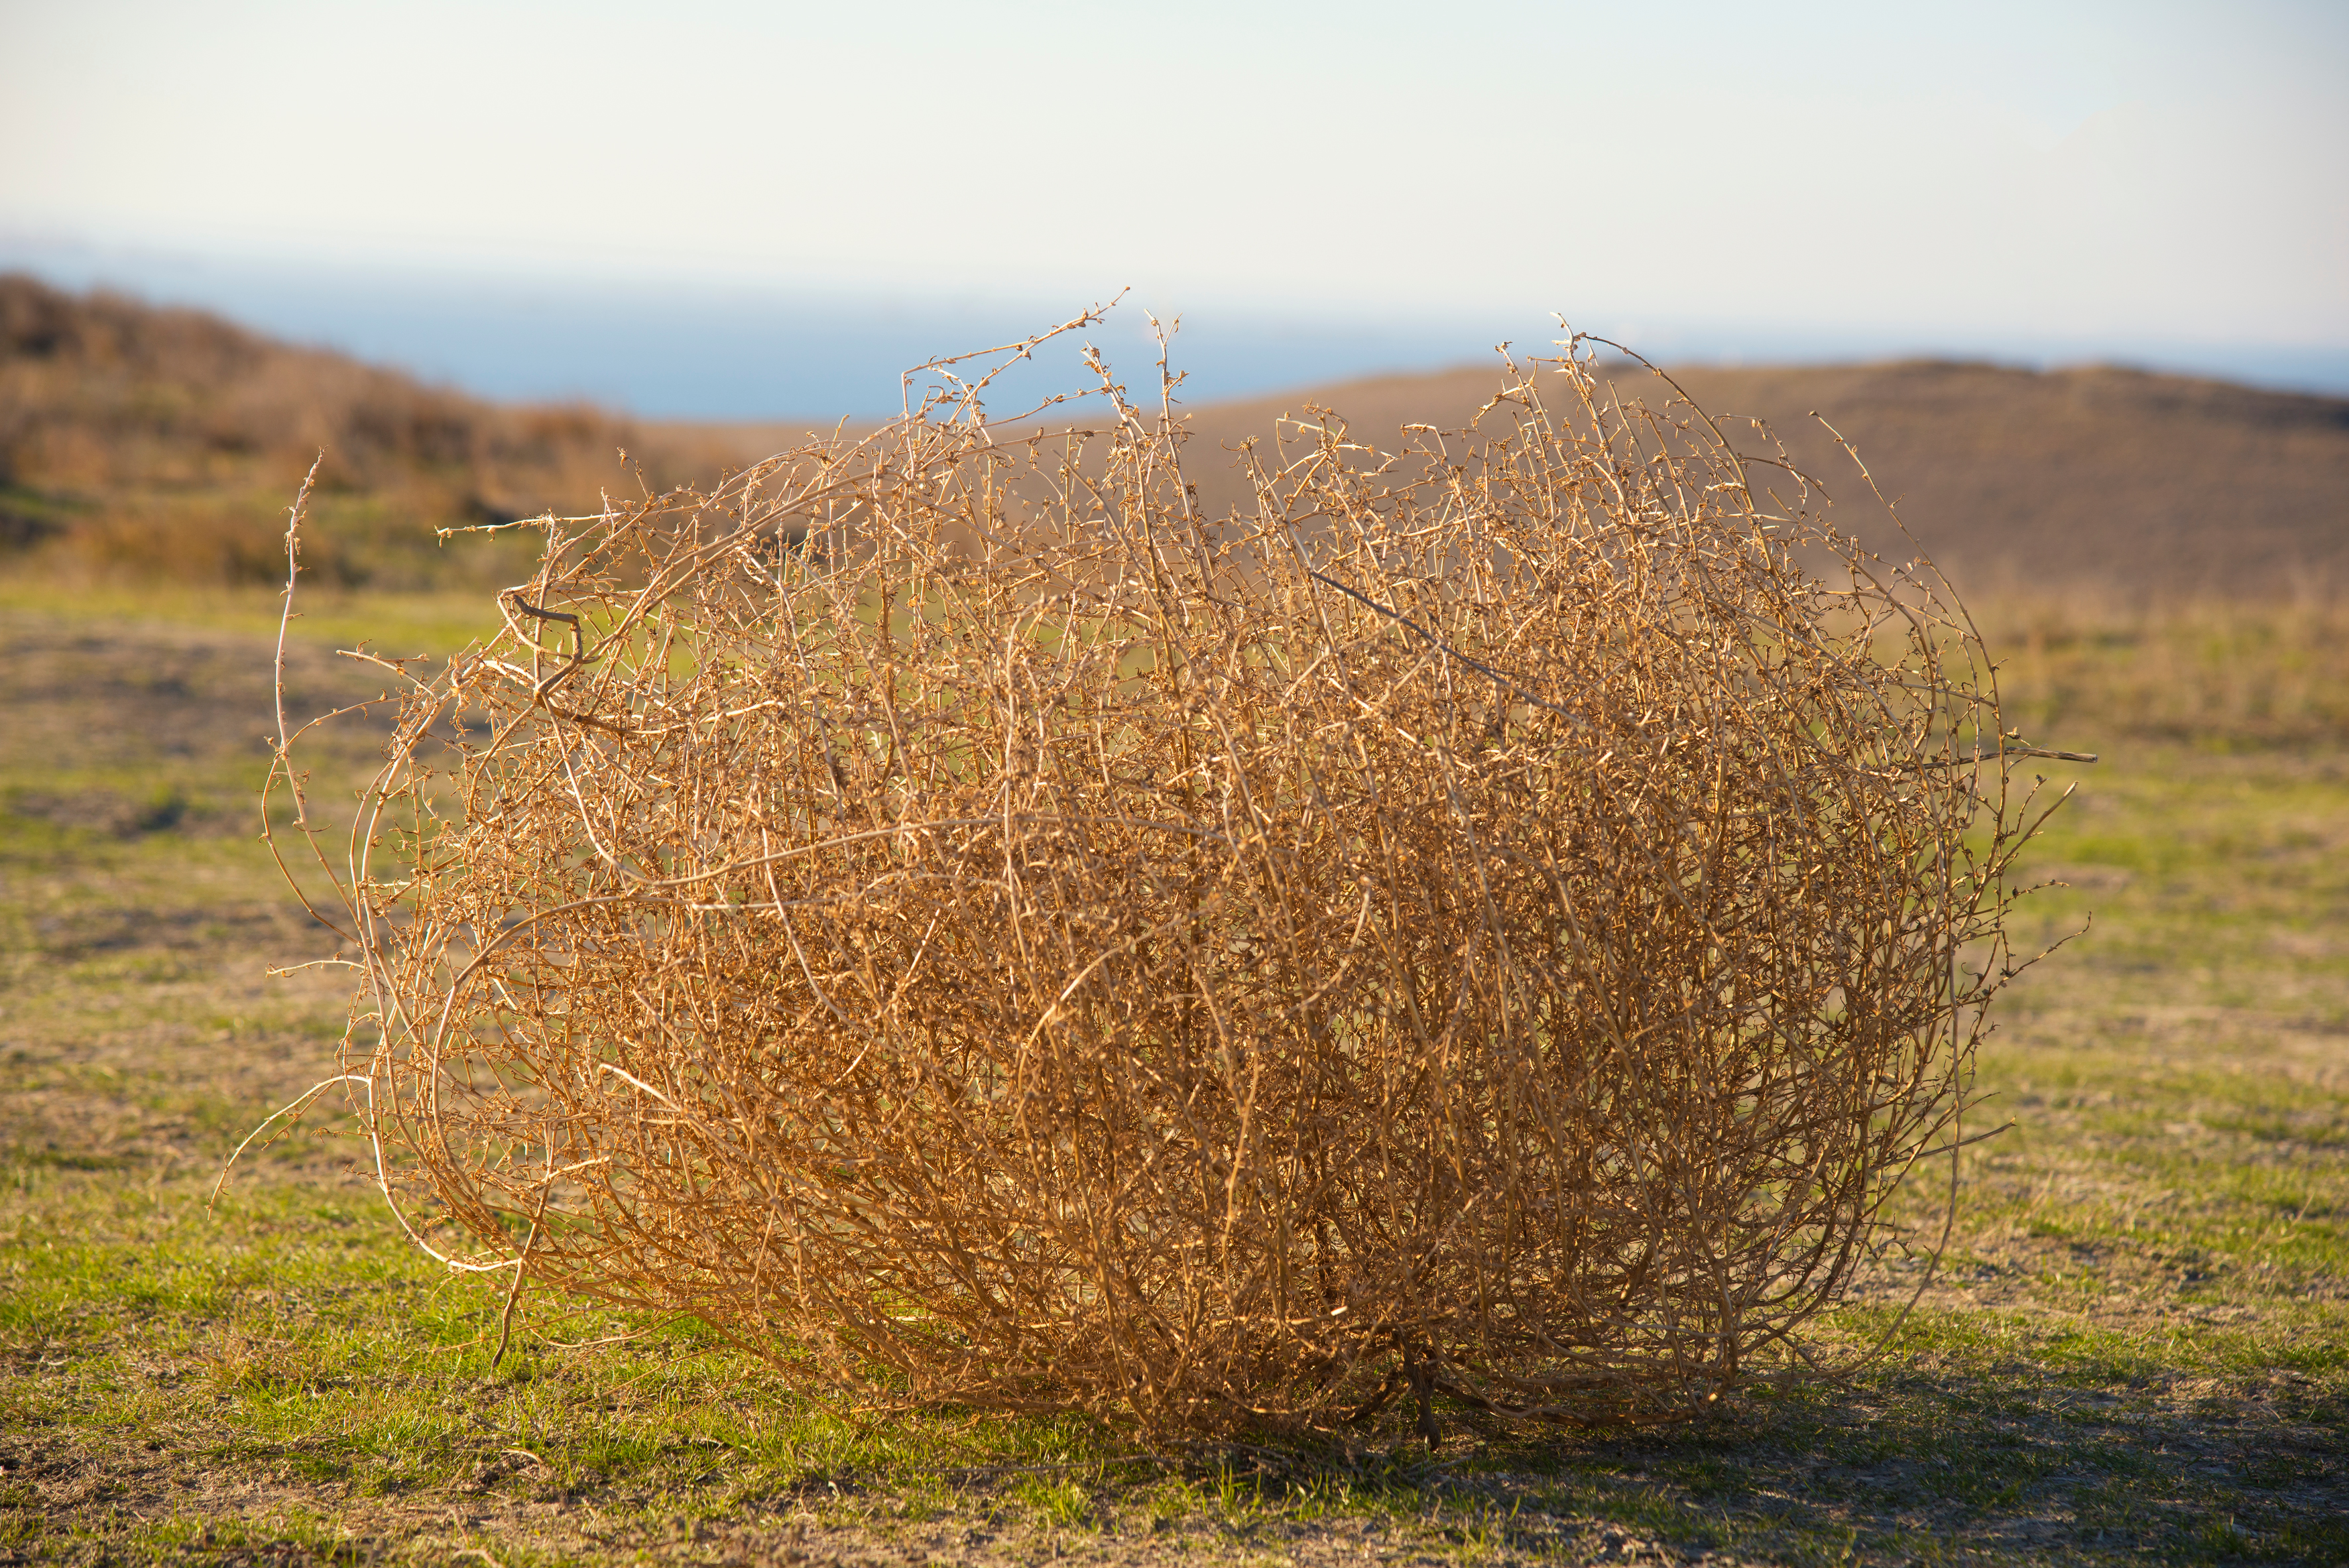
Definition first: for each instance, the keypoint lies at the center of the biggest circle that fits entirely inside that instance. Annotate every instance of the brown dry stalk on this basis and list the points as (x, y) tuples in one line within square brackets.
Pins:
[(1496, 919)]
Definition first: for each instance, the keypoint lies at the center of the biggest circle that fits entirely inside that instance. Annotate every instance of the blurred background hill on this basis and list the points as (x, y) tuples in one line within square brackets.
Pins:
[(2097, 480), (137, 442), (166, 443)]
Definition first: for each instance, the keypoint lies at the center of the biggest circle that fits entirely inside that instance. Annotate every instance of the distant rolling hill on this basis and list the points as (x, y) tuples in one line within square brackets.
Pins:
[(137, 439), (2104, 480), (144, 441)]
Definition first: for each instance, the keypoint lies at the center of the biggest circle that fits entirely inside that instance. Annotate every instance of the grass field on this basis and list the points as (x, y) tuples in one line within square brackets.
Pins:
[(2138, 1347)]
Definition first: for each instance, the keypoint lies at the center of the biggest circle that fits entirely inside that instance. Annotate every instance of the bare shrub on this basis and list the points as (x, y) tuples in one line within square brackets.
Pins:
[(1487, 920)]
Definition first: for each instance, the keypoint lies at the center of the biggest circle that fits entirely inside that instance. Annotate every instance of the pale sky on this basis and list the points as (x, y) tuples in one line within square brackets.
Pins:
[(2130, 172)]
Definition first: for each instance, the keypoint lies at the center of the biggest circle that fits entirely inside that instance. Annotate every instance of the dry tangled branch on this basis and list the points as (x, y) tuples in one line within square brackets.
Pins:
[(1497, 919)]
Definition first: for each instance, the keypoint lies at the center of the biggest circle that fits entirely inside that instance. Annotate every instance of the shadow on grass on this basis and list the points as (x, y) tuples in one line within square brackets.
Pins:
[(2005, 1461)]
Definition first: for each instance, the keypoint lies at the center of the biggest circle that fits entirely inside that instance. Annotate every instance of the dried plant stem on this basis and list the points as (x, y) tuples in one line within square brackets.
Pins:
[(1494, 922)]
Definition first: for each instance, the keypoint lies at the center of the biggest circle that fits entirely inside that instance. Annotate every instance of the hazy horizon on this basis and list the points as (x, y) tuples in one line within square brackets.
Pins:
[(743, 354), (737, 210)]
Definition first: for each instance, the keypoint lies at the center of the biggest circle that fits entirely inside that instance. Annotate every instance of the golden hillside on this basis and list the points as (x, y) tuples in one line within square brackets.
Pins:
[(2098, 478), (168, 442), (145, 440)]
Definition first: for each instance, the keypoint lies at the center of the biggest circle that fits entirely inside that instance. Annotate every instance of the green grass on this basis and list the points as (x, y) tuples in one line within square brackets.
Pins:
[(2136, 1348), (437, 625)]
